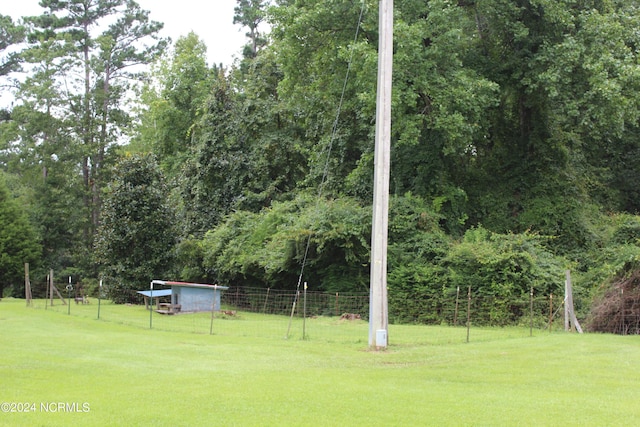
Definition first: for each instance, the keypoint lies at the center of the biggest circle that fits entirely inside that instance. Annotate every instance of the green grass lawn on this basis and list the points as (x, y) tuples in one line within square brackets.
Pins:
[(118, 374)]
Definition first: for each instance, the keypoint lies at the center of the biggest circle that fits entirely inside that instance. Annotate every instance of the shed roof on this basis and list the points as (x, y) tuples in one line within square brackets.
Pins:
[(197, 285), (188, 285), (156, 293)]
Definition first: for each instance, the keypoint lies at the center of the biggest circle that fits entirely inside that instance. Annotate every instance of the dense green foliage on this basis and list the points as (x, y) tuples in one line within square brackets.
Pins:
[(515, 149), (135, 240), (267, 249), (80, 59), (18, 243)]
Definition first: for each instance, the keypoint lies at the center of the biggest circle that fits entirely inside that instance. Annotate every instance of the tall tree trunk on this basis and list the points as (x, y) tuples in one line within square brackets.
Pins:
[(97, 202)]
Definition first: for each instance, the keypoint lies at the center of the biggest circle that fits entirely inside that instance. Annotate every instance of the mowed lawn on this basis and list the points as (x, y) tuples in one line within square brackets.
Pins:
[(59, 370)]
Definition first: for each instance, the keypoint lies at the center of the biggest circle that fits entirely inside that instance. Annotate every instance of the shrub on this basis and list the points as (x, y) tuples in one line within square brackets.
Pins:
[(501, 269), (136, 237), (267, 249), (418, 293)]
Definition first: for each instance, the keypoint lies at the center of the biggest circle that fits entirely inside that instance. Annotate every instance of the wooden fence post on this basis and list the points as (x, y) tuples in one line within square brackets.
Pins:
[(550, 310), (570, 315), (468, 312), (455, 313), (27, 284), (531, 312)]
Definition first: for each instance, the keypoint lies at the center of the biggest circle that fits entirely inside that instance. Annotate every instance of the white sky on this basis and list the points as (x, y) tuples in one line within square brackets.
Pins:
[(212, 21)]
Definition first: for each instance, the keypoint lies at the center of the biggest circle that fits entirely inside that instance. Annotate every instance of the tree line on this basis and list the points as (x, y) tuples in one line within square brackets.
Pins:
[(514, 150)]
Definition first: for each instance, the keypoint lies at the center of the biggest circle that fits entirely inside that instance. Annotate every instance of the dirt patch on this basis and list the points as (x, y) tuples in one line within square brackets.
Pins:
[(350, 316)]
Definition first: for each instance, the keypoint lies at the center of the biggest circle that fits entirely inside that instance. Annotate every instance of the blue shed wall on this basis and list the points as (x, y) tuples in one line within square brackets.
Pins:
[(196, 299)]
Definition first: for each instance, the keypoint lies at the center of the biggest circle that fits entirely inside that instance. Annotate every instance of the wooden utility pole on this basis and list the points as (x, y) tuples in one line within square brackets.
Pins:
[(378, 309)]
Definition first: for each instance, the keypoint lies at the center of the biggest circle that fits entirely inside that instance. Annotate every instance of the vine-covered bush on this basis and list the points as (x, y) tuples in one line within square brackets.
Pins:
[(426, 268), (328, 236), (501, 269), (417, 244), (418, 293), (267, 249)]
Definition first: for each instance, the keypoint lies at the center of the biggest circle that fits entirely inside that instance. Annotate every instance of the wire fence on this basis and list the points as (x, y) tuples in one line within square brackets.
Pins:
[(342, 317), (302, 303), (622, 322)]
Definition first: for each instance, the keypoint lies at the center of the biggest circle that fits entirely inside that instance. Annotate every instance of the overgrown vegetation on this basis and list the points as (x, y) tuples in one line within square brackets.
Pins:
[(617, 309), (515, 148)]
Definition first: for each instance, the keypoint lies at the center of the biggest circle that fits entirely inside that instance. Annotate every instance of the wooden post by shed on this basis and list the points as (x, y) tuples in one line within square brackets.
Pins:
[(570, 319)]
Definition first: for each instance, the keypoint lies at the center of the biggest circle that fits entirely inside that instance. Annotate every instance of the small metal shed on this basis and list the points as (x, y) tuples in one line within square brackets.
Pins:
[(192, 297)]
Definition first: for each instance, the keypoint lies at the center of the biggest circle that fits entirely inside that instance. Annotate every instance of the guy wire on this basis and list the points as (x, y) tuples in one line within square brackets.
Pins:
[(325, 173), (334, 130)]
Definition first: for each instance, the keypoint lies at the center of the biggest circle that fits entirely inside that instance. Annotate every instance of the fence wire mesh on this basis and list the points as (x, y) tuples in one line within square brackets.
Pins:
[(290, 314)]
